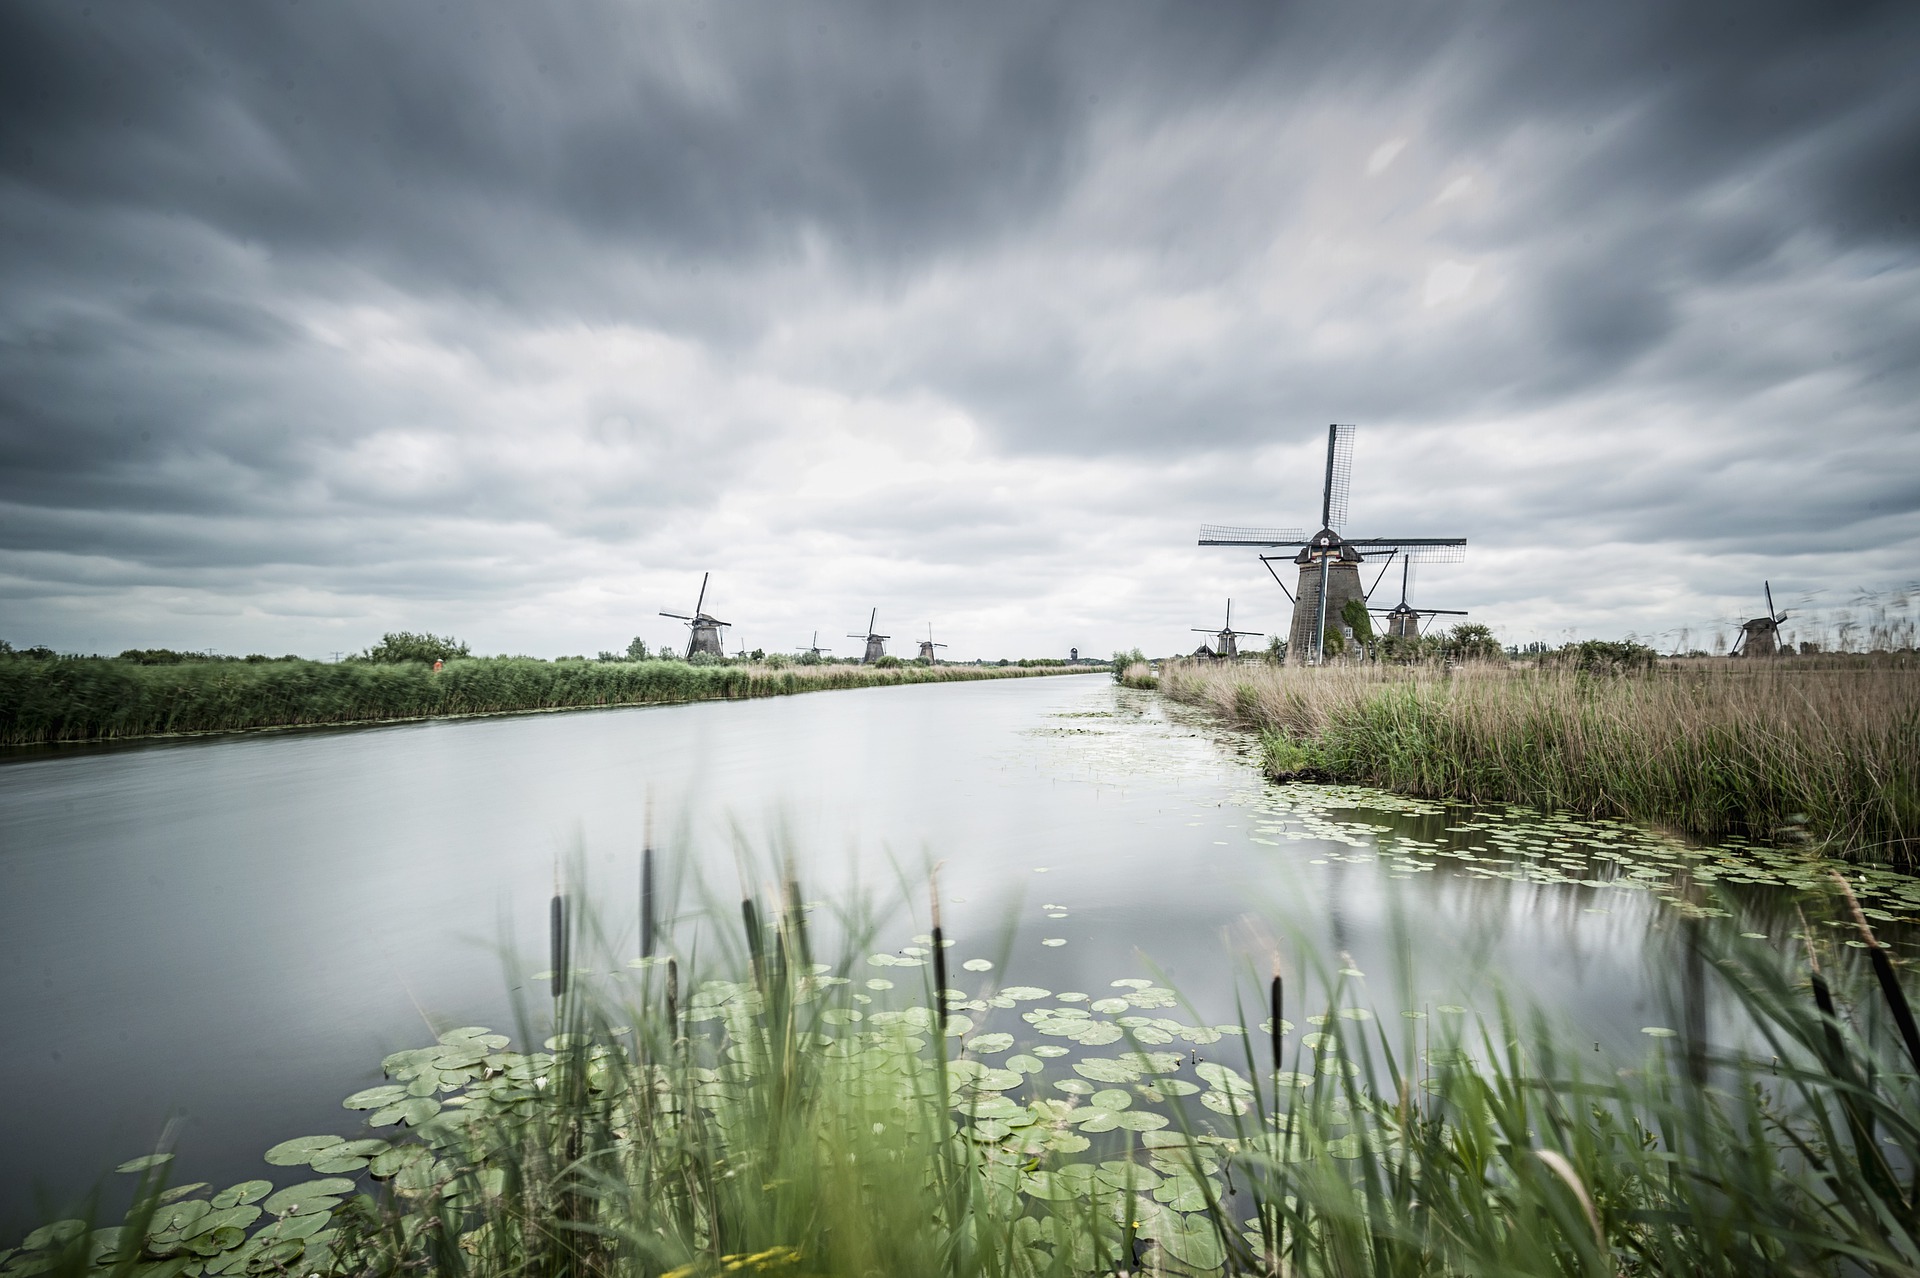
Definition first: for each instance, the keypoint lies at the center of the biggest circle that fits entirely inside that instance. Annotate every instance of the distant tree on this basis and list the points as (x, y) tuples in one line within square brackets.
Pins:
[(1471, 641), (891, 662), (759, 654), (1277, 650), (637, 650), (401, 646)]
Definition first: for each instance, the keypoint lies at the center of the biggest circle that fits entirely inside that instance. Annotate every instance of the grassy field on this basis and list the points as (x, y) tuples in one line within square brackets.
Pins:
[(1824, 750), (99, 699), (775, 1116)]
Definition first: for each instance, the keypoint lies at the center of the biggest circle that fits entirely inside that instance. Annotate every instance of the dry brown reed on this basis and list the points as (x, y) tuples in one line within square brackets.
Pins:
[(1827, 751)]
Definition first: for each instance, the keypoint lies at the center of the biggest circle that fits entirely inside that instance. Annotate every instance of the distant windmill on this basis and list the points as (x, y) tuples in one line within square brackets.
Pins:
[(876, 644), (1761, 636), (703, 631), (815, 650), (1404, 620), (1329, 563), (927, 645), (1226, 635)]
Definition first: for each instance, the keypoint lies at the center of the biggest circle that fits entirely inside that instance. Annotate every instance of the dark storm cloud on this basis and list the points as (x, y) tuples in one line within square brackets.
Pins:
[(367, 301)]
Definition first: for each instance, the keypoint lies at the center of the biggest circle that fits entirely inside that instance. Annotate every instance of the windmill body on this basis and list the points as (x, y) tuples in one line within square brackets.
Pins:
[(927, 647), (1226, 638), (876, 643), (703, 631), (815, 650), (1760, 637), (1330, 562), (1404, 621)]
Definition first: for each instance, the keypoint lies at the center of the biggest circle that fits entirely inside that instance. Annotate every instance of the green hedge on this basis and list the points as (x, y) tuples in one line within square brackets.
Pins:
[(95, 699)]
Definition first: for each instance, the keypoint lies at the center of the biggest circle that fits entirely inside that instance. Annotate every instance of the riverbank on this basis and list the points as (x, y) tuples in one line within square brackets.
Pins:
[(1826, 753), (50, 702)]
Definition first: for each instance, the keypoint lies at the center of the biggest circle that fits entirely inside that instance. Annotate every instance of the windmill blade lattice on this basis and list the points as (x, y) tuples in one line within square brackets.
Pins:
[(1333, 503)]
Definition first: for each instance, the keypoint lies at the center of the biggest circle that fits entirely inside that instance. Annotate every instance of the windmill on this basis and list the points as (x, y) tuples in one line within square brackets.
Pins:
[(1761, 636), (703, 631), (1329, 563), (1404, 620), (1226, 636), (815, 650), (876, 644), (927, 645)]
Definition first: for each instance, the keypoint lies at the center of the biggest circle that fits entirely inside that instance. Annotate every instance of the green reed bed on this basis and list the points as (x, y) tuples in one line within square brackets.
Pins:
[(95, 699), (1786, 749), (778, 1115)]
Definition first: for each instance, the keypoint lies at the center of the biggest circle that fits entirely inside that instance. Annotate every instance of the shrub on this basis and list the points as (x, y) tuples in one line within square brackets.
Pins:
[(401, 646)]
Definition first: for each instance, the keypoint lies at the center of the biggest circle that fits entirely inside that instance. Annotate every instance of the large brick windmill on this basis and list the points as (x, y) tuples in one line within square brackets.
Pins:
[(703, 632), (1329, 561)]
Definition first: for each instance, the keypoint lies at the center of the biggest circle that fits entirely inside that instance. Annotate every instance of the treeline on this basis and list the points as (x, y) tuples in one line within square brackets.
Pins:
[(62, 699)]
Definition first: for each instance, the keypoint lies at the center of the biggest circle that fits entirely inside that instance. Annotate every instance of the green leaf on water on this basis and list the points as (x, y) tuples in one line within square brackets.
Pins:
[(247, 1191), (1024, 1064), (1025, 993), (1111, 1098), (1049, 1050), (301, 1150), (1130, 983), (1104, 1069), (989, 1044), (144, 1162), (374, 1097), (1656, 1031), (309, 1197), (978, 965), (1075, 1086)]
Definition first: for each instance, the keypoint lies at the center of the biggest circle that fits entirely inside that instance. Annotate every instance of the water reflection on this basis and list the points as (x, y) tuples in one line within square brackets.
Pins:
[(238, 930)]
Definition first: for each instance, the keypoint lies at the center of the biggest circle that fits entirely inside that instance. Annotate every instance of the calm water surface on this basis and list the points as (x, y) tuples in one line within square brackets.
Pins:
[(228, 934)]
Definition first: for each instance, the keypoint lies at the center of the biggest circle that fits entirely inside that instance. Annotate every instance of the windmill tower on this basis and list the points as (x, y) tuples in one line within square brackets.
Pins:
[(927, 645), (876, 644), (814, 650), (1761, 636), (703, 632), (1329, 562), (1404, 620), (1226, 636)]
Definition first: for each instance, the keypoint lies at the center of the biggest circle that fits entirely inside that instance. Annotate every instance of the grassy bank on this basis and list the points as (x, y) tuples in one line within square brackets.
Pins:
[(1826, 751), (773, 1115), (101, 699)]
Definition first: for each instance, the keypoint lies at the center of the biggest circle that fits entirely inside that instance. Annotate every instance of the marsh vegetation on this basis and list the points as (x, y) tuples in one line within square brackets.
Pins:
[(1824, 751), (49, 699), (751, 1110)]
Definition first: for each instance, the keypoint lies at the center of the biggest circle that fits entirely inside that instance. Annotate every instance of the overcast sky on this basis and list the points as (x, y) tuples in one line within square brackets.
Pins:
[(323, 319)]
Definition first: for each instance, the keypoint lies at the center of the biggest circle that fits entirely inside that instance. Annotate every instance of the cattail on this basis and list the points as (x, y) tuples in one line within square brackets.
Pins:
[(939, 959), (646, 903), (557, 936)]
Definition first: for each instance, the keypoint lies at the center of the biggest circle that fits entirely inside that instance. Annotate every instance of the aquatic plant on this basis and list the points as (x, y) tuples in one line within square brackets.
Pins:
[(800, 1118), (90, 699), (1822, 752)]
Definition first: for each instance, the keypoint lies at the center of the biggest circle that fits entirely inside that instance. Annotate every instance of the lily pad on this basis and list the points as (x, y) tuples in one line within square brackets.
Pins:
[(1025, 993), (978, 965), (301, 1150), (1049, 1050), (375, 1097), (990, 1044), (247, 1191), (309, 1197), (1111, 1098), (145, 1162), (1024, 1064), (1104, 1069), (1657, 1031)]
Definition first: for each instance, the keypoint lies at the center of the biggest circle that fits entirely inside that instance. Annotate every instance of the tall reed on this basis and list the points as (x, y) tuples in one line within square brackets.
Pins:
[(96, 699), (1789, 750), (767, 1124)]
